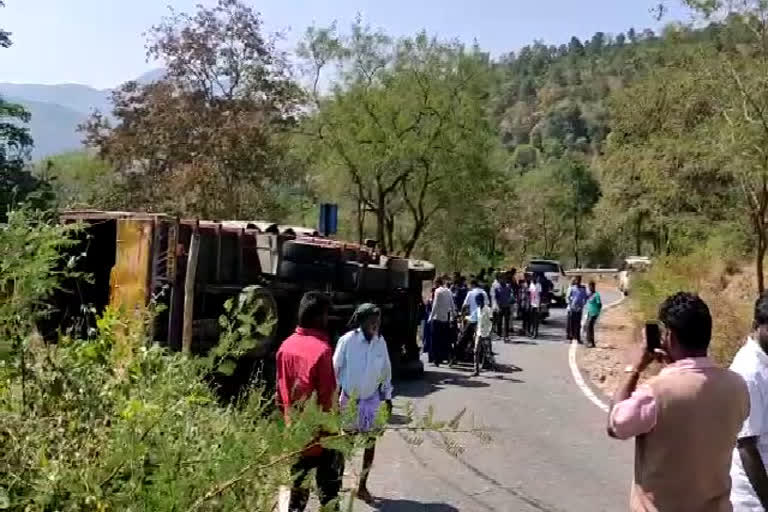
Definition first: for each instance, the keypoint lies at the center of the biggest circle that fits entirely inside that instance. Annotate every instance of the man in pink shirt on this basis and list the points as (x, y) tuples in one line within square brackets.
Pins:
[(684, 420)]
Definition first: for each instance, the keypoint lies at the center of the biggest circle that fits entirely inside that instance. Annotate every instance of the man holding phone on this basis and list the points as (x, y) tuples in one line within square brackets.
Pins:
[(684, 420)]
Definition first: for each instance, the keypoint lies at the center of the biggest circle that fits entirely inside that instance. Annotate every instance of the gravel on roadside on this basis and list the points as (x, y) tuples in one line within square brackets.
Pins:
[(616, 336)]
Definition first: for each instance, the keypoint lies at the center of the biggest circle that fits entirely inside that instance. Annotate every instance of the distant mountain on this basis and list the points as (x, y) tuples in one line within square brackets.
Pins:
[(53, 127), (57, 110), (151, 76), (73, 96)]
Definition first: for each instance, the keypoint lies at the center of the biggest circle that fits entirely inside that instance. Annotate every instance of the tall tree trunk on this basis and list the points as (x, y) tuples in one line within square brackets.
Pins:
[(381, 223), (390, 223), (639, 236), (360, 221), (758, 220), (759, 226), (759, 262), (576, 227), (411, 243)]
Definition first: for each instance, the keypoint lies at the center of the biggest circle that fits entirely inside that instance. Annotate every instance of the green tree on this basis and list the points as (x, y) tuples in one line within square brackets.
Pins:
[(580, 192), (79, 179), (576, 47), (405, 125), (597, 43), (662, 180), (735, 66), (17, 183)]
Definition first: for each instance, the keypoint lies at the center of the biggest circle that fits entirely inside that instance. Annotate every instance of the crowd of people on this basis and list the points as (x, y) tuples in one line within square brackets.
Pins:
[(453, 312), (701, 431)]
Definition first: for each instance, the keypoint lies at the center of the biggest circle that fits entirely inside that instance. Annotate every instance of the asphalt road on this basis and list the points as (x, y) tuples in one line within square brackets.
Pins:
[(548, 451)]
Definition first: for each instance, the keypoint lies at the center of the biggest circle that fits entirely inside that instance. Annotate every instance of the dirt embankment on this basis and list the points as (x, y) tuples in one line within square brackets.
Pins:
[(730, 294), (615, 337)]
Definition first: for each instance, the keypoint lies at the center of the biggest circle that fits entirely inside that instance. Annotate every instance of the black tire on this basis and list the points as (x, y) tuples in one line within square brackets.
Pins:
[(373, 278), (306, 272), (301, 252), (350, 273)]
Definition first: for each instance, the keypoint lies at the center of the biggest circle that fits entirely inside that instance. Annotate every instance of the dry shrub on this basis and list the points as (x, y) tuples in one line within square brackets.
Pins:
[(732, 314), (727, 284)]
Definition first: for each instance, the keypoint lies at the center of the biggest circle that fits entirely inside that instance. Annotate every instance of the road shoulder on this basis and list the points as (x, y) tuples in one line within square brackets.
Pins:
[(602, 367)]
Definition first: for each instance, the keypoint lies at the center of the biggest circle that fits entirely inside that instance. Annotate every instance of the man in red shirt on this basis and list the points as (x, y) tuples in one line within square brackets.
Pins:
[(304, 369)]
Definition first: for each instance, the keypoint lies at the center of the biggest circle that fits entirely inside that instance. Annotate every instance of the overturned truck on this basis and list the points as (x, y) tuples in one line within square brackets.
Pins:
[(192, 267)]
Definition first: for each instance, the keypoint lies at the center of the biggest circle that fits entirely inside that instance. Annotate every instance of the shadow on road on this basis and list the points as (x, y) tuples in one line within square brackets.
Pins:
[(437, 379), (506, 368), (386, 505), (560, 338)]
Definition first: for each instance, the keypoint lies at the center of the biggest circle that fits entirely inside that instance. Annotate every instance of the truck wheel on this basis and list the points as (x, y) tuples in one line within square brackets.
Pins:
[(304, 252), (262, 306), (373, 278), (255, 316), (306, 272), (350, 273)]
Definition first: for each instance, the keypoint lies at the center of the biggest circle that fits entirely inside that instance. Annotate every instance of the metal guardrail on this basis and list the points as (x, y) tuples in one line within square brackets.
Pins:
[(579, 271)]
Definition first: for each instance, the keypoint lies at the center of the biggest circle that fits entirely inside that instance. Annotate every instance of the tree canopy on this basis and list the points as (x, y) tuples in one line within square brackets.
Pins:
[(584, 151), (205, 139), (17, 183), (404, 126)]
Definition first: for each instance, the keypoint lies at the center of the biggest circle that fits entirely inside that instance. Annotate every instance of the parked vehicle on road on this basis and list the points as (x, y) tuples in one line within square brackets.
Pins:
[(632, 265), (554, 272)]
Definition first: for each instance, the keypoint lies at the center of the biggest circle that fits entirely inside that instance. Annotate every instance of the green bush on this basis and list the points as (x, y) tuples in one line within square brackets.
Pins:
[(117, 423), (101, 424), (146, 435)]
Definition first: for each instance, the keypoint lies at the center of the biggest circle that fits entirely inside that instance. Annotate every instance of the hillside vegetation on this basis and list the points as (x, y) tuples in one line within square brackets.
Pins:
[(587, 151)]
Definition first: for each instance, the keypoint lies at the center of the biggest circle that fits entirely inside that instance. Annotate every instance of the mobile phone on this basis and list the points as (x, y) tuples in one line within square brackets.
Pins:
[(652, 337)]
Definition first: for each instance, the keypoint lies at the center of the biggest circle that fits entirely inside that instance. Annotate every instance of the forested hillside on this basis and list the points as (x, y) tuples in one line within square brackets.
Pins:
[(586, 151)]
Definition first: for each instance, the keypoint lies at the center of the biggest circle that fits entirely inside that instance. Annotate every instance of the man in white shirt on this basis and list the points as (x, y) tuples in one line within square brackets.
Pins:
[(749, 480), (494, 304), (470, 301), (534, 292), (468, 333), (443, 310), (484, 328), (364, 374)]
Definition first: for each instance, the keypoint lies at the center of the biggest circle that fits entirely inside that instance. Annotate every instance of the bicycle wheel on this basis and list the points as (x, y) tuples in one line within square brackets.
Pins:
[(489, 361)]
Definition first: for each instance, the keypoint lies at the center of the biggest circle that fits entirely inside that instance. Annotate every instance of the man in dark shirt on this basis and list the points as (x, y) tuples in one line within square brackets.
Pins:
[(504, 298), (305, 368), (459, 290)]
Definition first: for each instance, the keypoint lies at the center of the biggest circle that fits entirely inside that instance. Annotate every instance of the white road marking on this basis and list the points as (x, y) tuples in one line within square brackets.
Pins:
[(577, 373)]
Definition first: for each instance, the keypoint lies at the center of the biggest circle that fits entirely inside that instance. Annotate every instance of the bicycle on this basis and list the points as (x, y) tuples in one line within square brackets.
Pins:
[(485, 358)]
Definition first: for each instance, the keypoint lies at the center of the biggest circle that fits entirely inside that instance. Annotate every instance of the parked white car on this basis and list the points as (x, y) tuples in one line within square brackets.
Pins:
[(632, 265), (553, 271)]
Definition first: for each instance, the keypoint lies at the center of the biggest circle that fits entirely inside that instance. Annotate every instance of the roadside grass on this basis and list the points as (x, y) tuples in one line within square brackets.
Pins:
[(726, 282)]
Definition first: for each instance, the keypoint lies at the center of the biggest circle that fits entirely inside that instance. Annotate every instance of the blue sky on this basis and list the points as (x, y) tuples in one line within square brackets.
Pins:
[(100, 42)]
